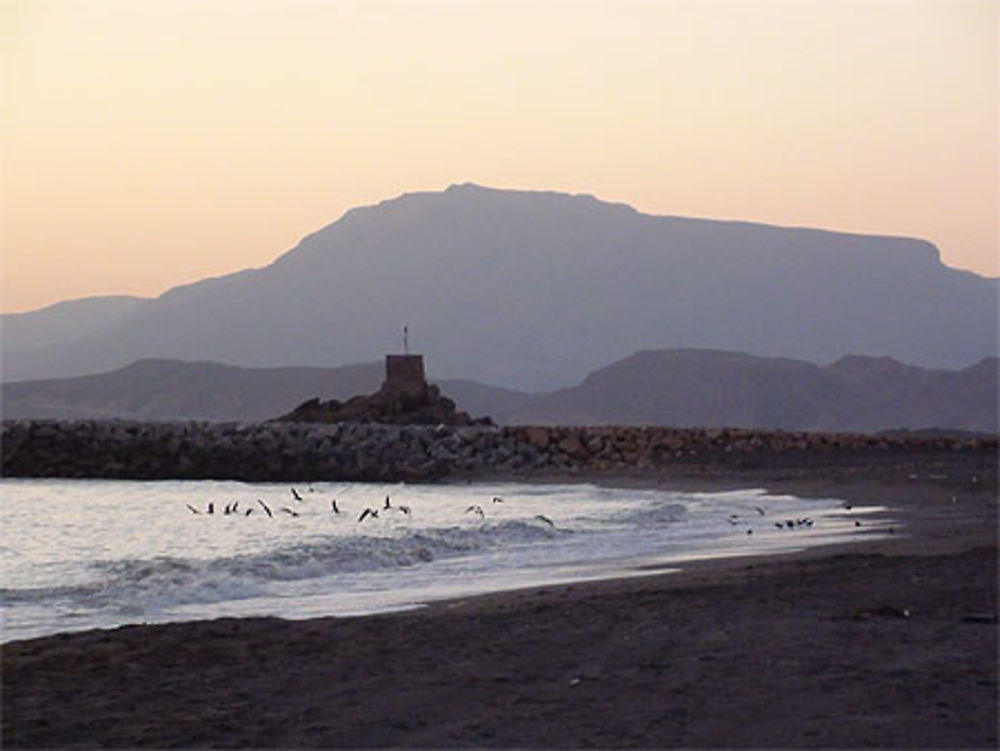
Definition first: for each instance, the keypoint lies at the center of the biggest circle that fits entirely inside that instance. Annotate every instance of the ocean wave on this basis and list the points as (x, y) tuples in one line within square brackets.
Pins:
[(138, 585)]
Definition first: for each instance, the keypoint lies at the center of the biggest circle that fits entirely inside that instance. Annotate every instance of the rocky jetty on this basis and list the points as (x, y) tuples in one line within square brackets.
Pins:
[(274, 451)]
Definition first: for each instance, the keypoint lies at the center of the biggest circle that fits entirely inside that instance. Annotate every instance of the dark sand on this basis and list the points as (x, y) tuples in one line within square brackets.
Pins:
[(889, 643)]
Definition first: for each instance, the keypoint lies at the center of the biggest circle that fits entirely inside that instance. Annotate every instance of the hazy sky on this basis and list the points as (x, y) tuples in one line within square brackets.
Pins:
[(148, 143)]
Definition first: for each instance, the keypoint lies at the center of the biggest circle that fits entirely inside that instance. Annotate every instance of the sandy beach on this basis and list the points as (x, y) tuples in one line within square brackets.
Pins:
[(885, 643)]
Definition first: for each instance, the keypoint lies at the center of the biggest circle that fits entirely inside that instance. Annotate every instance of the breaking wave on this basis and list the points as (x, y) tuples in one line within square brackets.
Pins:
[(134, 585)]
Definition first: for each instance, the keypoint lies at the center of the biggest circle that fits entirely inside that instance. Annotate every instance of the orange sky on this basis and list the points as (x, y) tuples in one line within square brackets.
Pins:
[(149, 143)]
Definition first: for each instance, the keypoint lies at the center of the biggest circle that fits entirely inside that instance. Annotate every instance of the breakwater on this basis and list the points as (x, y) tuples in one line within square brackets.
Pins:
[(274, 451)]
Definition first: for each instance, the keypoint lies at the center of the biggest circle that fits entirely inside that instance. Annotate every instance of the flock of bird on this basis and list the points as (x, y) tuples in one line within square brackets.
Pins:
[(476, 509), (368, 512), (797, 523)]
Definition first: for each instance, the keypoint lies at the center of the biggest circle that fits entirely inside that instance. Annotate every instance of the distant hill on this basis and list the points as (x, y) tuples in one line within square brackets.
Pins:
[(534, 290), (64, 322), (175, 390), (701, 388), (681, 388)]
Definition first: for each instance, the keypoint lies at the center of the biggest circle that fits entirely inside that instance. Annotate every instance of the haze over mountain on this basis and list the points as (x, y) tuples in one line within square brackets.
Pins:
[(679, 388), (533, 290)]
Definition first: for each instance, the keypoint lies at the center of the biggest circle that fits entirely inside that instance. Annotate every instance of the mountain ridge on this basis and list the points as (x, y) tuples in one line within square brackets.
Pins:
[(677, 388), (531, 290)]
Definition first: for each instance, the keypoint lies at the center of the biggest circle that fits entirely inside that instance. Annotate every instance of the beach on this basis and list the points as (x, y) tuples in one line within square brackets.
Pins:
[(890, 642)]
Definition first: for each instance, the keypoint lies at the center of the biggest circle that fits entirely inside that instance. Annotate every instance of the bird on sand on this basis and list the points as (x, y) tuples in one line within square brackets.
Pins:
[(543, 518), (333, 506), (476, 509), (368, 512), (295, 494), (266, 509), (193, 509)]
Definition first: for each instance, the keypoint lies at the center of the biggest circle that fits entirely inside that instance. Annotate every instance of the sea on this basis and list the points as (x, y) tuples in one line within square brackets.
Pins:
[(83, 554)]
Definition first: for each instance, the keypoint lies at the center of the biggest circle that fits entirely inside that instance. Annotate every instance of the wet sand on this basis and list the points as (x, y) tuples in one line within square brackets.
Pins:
[(885, 643)]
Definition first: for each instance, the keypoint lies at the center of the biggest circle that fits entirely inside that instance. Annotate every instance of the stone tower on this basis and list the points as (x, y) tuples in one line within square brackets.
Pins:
[(404, 373)]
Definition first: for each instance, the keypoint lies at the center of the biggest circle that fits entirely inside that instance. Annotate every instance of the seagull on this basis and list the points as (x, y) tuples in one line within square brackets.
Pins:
[(266, 509), (476, 509), (289, 511), (404, 509), (759, 510), (497, 499), (249, 511), (193, 509), (387, 505), (543, 518), (295, 494), (333, 506), (368, 512), (211, 507), (235, 504)]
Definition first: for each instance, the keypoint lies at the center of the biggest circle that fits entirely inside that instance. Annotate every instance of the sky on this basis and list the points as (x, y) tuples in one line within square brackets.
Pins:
[(151, 143)]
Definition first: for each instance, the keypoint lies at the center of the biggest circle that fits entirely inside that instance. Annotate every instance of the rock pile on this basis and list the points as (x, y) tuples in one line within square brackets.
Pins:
[(275, 451), (390, 405)]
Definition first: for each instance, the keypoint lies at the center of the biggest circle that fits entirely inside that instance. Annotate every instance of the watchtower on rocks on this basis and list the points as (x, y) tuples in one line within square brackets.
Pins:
[(404, 373)]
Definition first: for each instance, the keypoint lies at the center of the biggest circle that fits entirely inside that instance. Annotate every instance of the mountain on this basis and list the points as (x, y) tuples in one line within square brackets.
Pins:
[(533, 290), (175, 390), (700, 388), (65, 321), (680, 388)]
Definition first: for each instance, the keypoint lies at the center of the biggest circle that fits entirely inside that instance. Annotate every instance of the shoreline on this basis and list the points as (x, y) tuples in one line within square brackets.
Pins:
[(890, 642)]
